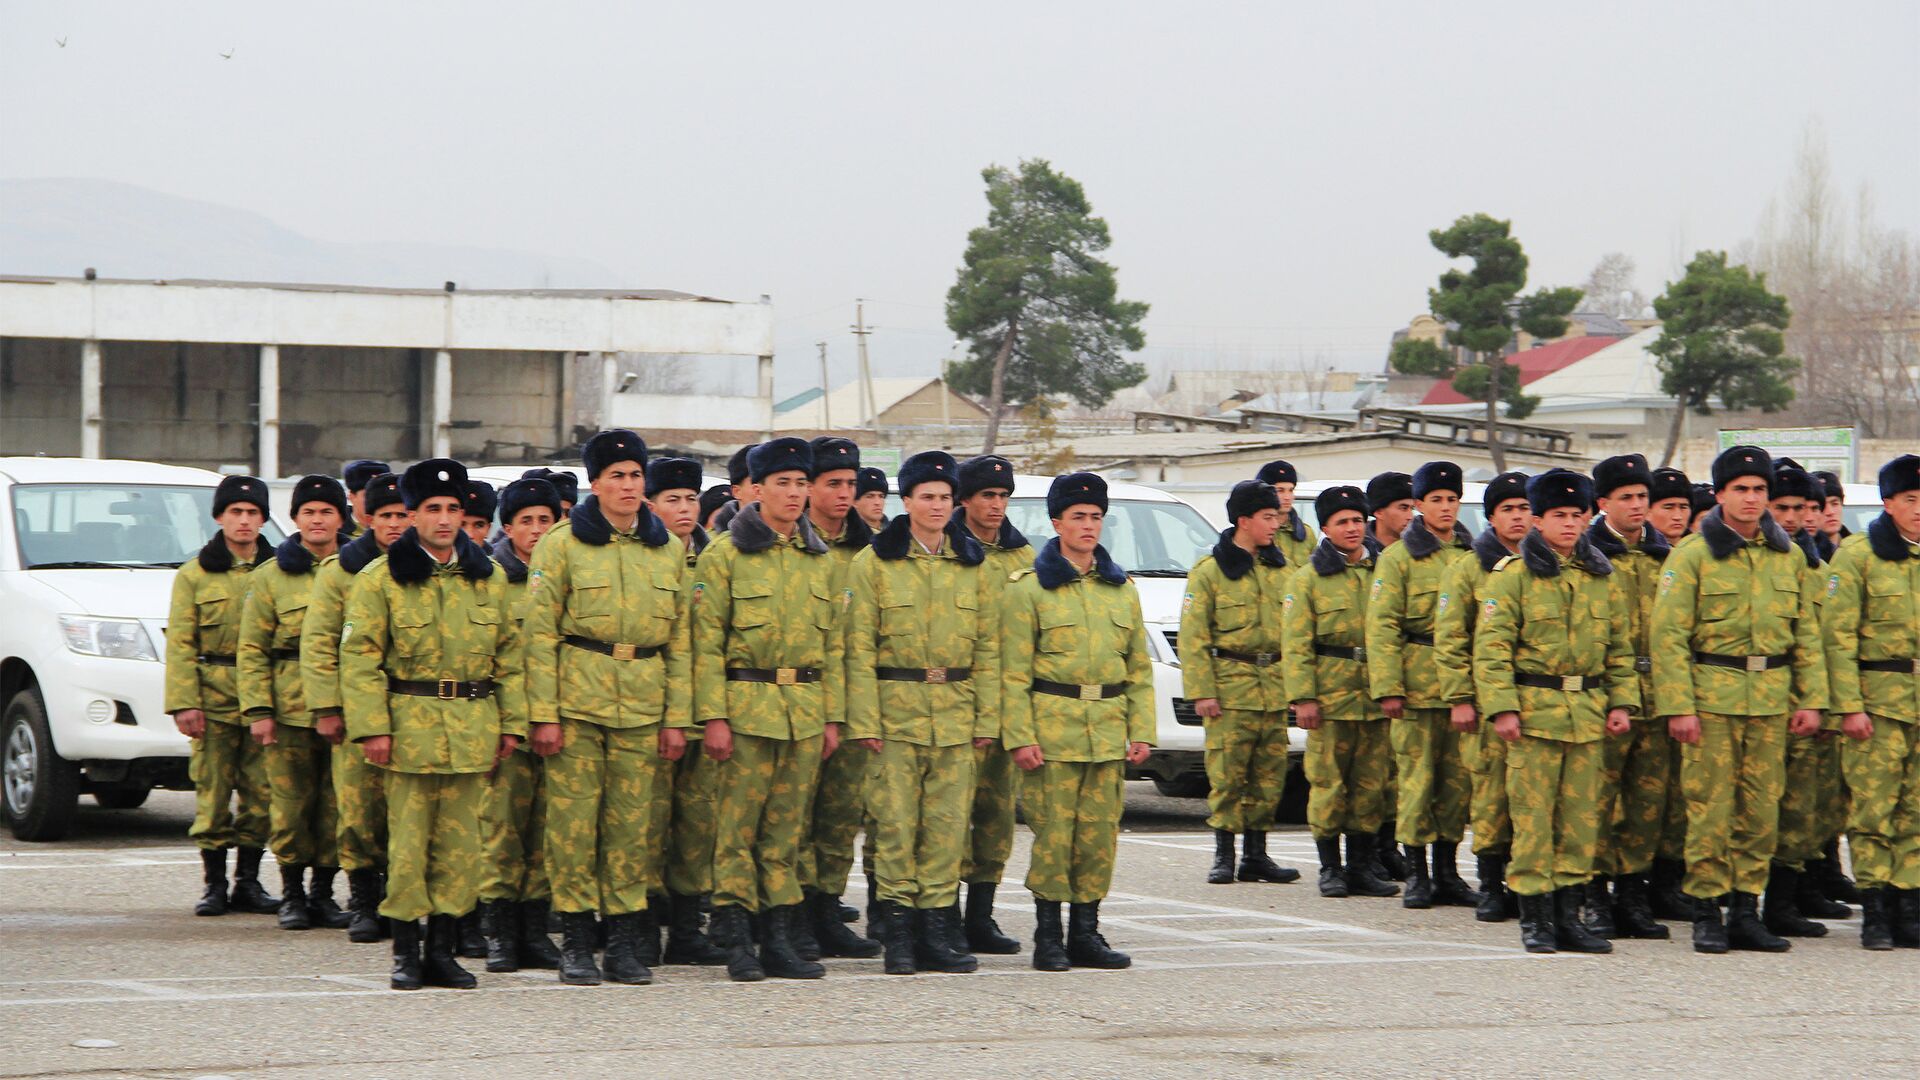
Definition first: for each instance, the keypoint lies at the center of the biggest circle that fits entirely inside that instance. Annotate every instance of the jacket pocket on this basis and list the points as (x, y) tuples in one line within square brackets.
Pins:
[(1719, 599), (898, 620), (483, 630), (752, 605), (590, 602), (1056, 634)]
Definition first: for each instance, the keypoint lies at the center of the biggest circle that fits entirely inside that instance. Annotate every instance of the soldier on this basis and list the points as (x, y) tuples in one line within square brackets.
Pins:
[(1825, 887), (563, 481), (355, 474), (1433, 786), (1077, 708), (359, 787), (1670, 503), (1704, 499), (607, 672), (1671, 512), (1390, 501), (1553, 666), (482, 503), (986, 484), (1735, 651), (1455, 615), (1230, 670), (712, 501), (304, 812), (840, 797), (1871, 622), (923, 694), (870, 498), (430, 665), (1295, 539), (515, 894), (1829, 525), (1324, 618), (229, 769), (768, 684), (743, 490)]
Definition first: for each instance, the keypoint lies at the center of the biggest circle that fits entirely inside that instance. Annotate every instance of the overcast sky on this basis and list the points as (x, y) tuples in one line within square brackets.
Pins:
[(1269, 170)]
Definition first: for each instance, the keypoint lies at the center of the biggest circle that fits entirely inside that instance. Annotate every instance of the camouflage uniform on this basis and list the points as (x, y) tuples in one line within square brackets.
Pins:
[(299, 763), (1805, 797), (1348, 754), (1455, 619), (203, 636), (1637, 780), (1296, 539), (996, 782), (840, 797), (359, 786), (1230, 648), (683, 803), (514, 817)]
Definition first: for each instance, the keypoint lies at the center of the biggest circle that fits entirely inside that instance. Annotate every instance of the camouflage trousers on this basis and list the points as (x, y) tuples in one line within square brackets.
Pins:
[(760, 809), (433, 844), (1830, 817), (833, 821), (1732, 779), (1553, 792), (1486, 754), (305, 813), (231, 793), (360, 796), (1883, 825), (1805, 798), (1073, 808), (1434, 788), (687, 835), (920, 797), (1635, 788), (996, 792), (1246, 769), (1673, 826), (1347, 767), (599, 809), (514, 829)]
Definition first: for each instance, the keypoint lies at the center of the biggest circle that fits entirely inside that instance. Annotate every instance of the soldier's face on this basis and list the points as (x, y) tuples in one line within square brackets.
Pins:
[(1904, 509), (1510, 520), (930, 507), (438, 521), (1743, 500), (678, 509), (527, 527), (1285, 491), (746, 491), (1394, 516), (832, 494), (986, 510), (1626, 508), (1079, 528), (783, 498), (240, 523), (388, 523), (1788, 512), (1830, 516), (1259, 527), (1346, 531), (1561, 527), (358, 501), (476, 528), (872, 506), (1440, 509), (1670, 517), (318, 523), (621, 486)]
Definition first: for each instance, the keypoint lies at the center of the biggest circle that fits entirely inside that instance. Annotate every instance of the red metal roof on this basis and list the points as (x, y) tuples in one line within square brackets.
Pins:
[(1533, 364)]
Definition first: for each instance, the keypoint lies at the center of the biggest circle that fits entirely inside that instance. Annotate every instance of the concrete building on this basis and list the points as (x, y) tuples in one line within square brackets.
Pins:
[(924, 402), (290, 378)]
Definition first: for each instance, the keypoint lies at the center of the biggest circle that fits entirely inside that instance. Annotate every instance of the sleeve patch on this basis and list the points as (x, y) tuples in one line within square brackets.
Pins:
[(1186, 604), (1489, 606), (1378, 584), (1286, 602), (346, 632), (1833, 584), (1440, 605)]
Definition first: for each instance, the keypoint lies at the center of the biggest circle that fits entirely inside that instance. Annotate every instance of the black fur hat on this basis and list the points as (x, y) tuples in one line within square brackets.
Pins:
[(431, 479), (1508, 485), (868, 481), (482, 500), (1830, 485), (785, 454), (737, 464), (528, 492), (382, 491), (1900, 475), (356, 473), (1278, 472), (1438, 476), (1556, 488), (831, 453), (713, 499), (240, 489), (1345, 497), (1073, 489), (1738, 461), (1703, 500), (926, 467), (1668, 484), (321, 489), (1386, 489), (668, 473), (1619, 472), (1791, 482), (609, 447), (983, 473), (1249, 497)]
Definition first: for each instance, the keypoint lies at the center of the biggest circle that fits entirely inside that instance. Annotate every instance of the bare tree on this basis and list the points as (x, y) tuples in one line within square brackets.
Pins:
[(1610, 288)]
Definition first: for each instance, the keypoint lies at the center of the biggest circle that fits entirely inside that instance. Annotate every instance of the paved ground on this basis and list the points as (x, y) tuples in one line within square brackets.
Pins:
[(97, 943)]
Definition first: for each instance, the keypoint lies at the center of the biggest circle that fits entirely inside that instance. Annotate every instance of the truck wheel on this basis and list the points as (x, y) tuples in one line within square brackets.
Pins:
[(122, 798), (1183, 787), (39, 789)]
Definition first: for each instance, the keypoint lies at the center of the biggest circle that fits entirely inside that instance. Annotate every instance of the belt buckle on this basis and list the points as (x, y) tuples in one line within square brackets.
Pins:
[(936, 674), (786, 676), (1756, 663), (1359, 652), (1643, 664), (1572, 683), (447, 689), (1091, 692), (624, 651), (1265, 658)]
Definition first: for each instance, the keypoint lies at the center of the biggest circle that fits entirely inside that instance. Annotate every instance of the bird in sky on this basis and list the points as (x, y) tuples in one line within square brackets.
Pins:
[(228, 55), (60, 41)]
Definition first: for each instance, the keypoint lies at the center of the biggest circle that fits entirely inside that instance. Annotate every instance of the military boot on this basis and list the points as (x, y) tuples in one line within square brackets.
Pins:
[(293, 898), (248, 894), (1256, 866), (1387, 863), (1449, 888), (1049, 943), (1745, 931), (777, 953), (1668, 901), (983, 934), (1222, 871), (894, 923), (321, 908), (1781, 915), (470, 939), (577, 941), (365, 925), (1709, 933), (1597, 909), (848, 913), (939, 942), (805, 945), (687, 943), (834, 936), (622, 962), (1834, 883), (1086, 947), (1537, 931), (1904, 915), (500, 924), (648, 947), (1363, 878), (1333, 876), (213, 871), (536, 949), (439, 968), (1631, 913), (1419, 882), (1570, 933), (1876, 924), (407, 974), (873, 907), (1813, 900), (731, 934), (1494, 895)]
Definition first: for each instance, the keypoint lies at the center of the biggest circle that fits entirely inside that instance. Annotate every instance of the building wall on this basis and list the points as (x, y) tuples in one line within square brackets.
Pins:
[(507, 398), (39, 396), (337, 404), (181, 403)]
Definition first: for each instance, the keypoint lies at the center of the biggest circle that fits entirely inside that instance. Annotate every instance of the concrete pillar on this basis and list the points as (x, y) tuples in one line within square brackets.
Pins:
[(766, 397), (441, 434), (91, 420), (609, 386), (269, 435)]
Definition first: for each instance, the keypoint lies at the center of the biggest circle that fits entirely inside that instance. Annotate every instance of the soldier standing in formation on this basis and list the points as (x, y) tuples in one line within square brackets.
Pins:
[(870, 498), (1672, 513), (1296, 538), (355, 475)]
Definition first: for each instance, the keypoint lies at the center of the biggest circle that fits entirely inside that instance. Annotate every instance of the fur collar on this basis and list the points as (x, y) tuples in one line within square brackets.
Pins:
[(1053, 569), (503, 554), (1887, 541), (1327, 560), (1010, 539), (855, 533), (1804, 541), (723, 517), (896, 541), (1652, 541), (1488, 548), (751, 533), (1825, 546), (698, 541), (592, 528), (1296, 526), (356, 555), (1421, 542), (217, 558), (1234, 560), (1544, 563), (410, 564), (293, 556), (1723, 541)]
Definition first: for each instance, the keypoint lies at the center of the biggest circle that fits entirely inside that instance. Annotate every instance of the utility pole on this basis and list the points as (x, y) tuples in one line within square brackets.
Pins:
[(826, 408), (868, 413)]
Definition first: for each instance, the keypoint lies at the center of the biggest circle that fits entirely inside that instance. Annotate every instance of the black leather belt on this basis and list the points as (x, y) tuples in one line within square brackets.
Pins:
[(1418, 639), (1083, 691), (444, 689), (1742, 663), (924, 675), (1344, 652), (786, 676), (284, 654), (1897, 667), (1643, 664), (619, 651), (1260, 659), (216, 659), (1570, 683)]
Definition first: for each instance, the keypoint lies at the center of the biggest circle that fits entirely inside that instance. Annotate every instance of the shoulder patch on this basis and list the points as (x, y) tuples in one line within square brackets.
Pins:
[(846, 598), (534, 577), (1833, 584), (1018, 574), (1186, 602), (1286, 602), (1378, 584), (1502, 564), (1440, 605), (699, 587), (1490, 605)]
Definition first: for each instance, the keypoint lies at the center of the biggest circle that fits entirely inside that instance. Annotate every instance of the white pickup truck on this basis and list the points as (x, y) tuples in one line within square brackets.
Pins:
[(88, 551)]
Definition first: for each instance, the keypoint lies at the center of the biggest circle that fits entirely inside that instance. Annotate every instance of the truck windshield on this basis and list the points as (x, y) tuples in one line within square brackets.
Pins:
[(1150, 538), (107, 525)]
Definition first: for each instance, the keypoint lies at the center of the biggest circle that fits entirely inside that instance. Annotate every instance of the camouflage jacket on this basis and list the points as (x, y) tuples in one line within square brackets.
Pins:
[(209, 599), (1296, 540), (1636, 566), (1872, 612), (1456, 614), (269, 664), (320, 630), (1326, 603), (1233, 603), (1007, 553), (1406, 587)]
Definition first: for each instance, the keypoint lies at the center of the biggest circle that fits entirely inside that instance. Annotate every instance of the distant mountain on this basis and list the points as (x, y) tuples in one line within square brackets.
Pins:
[(62, 226)]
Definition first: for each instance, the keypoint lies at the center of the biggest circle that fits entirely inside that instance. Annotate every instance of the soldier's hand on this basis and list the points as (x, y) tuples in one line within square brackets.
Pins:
[(262, 730), (1207, 707), (547, 739), (1507, 726), (1857, 726), (1306, 714), (508, 743), (331, 728), (191, 722), (1619, 721), (873, 745), (982, 744), (1029, 758), (1805, 722), (673, 743), (1394, 708), (830, 741), (1465, 717), (378, 750), (719, 740), (1684, 729), (1137, 752)]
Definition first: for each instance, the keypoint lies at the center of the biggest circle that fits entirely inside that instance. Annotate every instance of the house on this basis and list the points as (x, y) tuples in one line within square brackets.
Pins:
[(897, 402), (1532, 364)]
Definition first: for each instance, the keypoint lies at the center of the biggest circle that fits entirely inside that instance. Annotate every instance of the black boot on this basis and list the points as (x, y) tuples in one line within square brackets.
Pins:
[(1781, 915), (248, 894), (439, 968), (578, 936), (687, 943), (1387, 863), (1333, 876), (939, 943), (1049, 942), (500, 924), (805, 945), (1834, 883), (1256, 866), (1085, 945), (729, 931), (293, 898), (983, 934), (470, 939), (1537, 931), (1709, 933), (1876, 922), (777, 953), (1904, 914), (1449, 888), (835, 937), (1597, 911), (893, 922), (1222, 871), (322, 911), (1419, 882), (213, 872), (1362, 876), (536, 949), (1631, 914), (364, 925), (873, 907), (651, 920), (622, 960), (1745, 931), (1665, 897), (1492, 907), (1569, 932), (848, 913), (407, 973), (1812, 899)]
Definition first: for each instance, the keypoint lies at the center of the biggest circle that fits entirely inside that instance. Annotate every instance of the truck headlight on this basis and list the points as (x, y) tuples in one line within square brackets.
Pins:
[(118, 639)]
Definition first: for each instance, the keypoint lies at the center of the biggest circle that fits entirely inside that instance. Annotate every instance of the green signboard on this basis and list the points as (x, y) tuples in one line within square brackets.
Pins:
[(884, 458), (1817, 449)]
